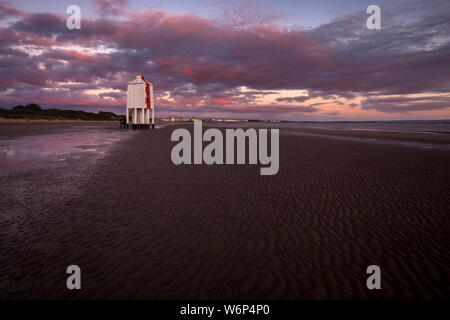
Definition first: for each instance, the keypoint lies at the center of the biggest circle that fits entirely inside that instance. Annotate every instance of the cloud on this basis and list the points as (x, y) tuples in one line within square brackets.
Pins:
[(293, 99), (199, 62), (111, 7), (245, 13), (7, 11)]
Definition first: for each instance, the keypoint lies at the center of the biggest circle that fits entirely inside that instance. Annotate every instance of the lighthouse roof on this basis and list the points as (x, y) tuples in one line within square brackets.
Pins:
[(139, 80)]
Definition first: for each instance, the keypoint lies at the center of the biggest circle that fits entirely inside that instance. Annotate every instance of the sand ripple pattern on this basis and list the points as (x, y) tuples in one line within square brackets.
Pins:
[(143, 228)]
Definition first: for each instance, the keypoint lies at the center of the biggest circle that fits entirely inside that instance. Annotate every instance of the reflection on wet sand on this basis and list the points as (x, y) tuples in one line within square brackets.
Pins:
[(21, 151)]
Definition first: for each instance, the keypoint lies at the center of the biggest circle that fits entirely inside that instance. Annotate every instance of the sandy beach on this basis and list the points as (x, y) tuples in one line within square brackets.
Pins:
[(141, 227)]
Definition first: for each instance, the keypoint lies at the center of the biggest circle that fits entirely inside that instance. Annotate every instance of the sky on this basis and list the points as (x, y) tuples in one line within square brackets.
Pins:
[(235, 59)]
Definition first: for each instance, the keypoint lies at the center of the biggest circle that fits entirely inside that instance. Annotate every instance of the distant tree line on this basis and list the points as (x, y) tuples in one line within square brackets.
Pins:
[(34, 111)]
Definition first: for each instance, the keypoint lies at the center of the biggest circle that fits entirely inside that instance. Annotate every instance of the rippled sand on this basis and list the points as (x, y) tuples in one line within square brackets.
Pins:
[(141, 227)]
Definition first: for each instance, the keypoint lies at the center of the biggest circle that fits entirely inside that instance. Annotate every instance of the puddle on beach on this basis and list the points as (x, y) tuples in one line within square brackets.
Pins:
[(65, 145)]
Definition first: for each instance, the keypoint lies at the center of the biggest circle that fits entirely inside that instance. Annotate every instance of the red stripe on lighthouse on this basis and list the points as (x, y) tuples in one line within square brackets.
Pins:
[(147, 91)]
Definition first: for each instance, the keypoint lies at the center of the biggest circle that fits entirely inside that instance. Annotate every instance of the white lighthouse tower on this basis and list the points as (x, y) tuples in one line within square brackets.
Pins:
[(139, 104)]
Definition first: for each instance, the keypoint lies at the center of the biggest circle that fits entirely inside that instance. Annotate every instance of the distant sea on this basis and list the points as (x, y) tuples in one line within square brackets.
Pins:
[(424, 126), (431, 127)]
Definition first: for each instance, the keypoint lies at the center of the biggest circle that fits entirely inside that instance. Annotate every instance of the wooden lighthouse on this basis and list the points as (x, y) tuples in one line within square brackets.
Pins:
[(140, 104)]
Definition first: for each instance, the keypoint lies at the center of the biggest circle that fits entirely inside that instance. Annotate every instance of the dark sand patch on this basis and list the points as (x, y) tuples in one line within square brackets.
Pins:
[(141, 227)]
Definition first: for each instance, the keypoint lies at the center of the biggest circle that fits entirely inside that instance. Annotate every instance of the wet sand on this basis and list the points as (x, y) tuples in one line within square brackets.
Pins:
[(142, 228)]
